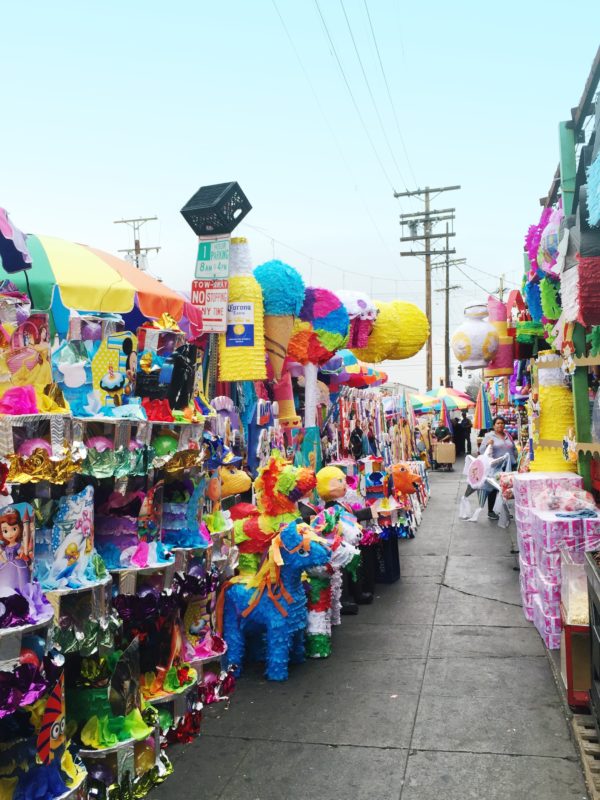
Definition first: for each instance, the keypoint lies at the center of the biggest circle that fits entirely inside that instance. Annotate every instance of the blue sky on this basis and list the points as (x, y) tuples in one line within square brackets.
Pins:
[(123, 109)]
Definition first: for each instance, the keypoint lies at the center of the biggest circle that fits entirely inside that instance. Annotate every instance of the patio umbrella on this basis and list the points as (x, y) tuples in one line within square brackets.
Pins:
[(450, 394), (482, 419), (445, 416), (421, 401), (451, 403), (345, 369), (80, 277)]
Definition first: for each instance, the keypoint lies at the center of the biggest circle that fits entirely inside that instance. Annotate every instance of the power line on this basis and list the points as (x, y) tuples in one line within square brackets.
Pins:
[(329, 127), (489, 274), (428, 219), (351, 93), (389, 94), (267, 235), (375, 106), (468, 277)]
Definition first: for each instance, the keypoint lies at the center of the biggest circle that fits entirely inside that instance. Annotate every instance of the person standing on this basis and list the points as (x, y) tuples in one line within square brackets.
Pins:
[(458, 436), (467, 427), (502, 444)]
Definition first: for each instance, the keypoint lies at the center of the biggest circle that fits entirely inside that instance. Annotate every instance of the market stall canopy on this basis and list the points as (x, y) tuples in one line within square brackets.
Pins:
[(88, 279), (421, 402), (452, 397)]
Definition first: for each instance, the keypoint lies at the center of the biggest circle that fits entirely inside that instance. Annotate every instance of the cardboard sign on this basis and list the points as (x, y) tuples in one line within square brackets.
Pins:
[(211, 297)]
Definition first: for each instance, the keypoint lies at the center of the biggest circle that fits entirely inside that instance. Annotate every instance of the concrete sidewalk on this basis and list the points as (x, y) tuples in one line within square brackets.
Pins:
[(441, 690)]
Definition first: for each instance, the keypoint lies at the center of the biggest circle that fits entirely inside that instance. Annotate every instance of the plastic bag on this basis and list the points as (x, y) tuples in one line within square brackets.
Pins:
[(505, 480), (561, 499), (464, 509)]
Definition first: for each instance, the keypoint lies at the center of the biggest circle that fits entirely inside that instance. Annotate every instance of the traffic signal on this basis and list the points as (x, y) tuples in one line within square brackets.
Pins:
[(459, 370)]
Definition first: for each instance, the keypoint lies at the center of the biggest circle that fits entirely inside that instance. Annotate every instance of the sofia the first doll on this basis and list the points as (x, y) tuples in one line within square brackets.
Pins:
[(15, 536)]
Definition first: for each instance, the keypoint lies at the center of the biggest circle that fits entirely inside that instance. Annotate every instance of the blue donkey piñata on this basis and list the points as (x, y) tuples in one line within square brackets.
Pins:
[(270, 606)]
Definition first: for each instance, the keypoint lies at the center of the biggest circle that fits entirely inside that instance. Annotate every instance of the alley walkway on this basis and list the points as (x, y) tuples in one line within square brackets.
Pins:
[(441, 690)]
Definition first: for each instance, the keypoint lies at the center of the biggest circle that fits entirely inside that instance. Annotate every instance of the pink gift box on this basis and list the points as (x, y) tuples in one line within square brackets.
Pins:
[(522, 515), (527, 588), (526, 528), (549, 627), (591, 534), (549, 530), (526, 549), (549, 592), (527, 575), (526, 600), (548, 564), (527, 485)]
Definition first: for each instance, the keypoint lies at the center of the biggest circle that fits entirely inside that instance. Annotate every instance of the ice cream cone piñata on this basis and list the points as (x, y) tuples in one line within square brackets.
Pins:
[(283, 294)]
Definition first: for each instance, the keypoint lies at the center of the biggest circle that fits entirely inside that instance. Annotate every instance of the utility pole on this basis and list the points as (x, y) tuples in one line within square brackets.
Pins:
[(447, 289), (137, 252), (501, 289), (428, 219)]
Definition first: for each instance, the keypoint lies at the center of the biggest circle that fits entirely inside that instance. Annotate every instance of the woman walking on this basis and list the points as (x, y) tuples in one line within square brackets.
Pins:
[(502, 444)]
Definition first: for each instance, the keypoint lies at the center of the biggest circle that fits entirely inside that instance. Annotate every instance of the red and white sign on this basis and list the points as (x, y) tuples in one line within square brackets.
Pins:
[(211, 296)]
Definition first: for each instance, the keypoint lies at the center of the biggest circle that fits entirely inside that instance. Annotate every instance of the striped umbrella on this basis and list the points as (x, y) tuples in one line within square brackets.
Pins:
[(66, 275), (451, 403), (345, 369), (482, 419), (421, 401), (451, 396), (445, 416)]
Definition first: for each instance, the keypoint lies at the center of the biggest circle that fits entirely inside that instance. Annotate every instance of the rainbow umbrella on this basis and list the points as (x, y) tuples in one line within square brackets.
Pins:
[(345, 369), (482, 419), (453, 397), (445, 416), (66, 275), (451, 403), (421, 401)]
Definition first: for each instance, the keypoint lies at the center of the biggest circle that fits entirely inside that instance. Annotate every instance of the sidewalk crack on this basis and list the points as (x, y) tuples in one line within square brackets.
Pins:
[(481, 596)]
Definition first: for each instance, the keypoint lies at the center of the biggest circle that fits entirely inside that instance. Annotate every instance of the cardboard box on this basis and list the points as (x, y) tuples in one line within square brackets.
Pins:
[(445, 452)]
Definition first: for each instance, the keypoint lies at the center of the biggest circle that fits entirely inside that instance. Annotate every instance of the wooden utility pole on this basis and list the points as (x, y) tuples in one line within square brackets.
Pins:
[(447, 289), (428, 219), (137, 251), (501, 289)]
